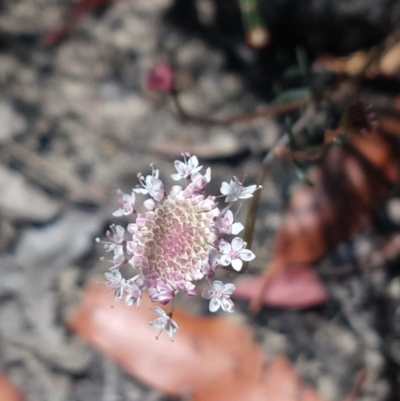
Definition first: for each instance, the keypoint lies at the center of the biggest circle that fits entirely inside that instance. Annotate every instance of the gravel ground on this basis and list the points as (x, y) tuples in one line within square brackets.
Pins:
[(77, 124)]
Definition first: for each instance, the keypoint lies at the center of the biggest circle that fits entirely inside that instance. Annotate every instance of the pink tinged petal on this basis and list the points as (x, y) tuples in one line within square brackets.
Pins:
[(149, 204), (237, 264), (229, 216), (247, 255), (132, 228), (215, 304)]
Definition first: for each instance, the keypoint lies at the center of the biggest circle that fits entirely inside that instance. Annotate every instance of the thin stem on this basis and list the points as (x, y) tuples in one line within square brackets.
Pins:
[(172, 303), (262, 175), (265, 112)]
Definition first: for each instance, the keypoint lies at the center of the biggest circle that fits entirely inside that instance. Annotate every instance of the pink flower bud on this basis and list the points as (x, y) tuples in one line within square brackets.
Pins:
[(160, 77)]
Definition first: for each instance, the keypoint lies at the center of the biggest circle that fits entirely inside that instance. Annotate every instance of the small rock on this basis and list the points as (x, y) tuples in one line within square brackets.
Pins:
[(59, 244), (21, 200), (11, 122)]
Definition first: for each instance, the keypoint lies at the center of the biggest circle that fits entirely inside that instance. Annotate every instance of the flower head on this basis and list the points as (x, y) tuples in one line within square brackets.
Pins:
[(178, 238)]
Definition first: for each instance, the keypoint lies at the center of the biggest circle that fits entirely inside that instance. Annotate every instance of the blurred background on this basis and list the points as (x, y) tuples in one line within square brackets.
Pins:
[(79, 120)]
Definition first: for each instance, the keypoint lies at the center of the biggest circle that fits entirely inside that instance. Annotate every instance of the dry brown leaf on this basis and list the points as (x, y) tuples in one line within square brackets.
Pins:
[(295, 288), (349, 183), (8, 391), (353, 64), (210, 359)]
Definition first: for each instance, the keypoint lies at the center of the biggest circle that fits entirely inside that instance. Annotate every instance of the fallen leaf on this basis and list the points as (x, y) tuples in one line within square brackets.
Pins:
[(8, 391), (349, 184), (299, 287), (210, 359)]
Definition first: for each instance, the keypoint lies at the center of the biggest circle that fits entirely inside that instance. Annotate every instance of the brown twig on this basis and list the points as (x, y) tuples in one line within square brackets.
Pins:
[(357, 386), (265, 112)]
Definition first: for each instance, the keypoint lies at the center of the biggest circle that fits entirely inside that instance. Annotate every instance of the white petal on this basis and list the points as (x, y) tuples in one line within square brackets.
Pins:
[(158, 323), (247, 255), (236, 228), (171, 328), (237, 244), (207, 175), (225, 260), (225, 247), (118, 213), (120, 231), (215, 303), (229, 215), (207, 293), (237, 264), (218, 285), (176, 176), (248, 190), (227, 305), (225, 189), (149, 204), (231, 198), (160, 311), (228, 289), (143, 191), (245, 196), (193, 162)]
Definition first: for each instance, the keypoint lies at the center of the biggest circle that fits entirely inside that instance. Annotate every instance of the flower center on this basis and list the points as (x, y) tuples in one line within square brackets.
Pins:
[(173, 242)]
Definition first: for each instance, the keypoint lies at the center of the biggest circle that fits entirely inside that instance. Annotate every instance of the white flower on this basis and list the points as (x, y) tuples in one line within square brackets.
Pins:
[(164, 322), (186, 168), (235, 190), (116, 237), (152, 185), (127, 202), (219, 296), (225, 225), (199, 182), (234, 253), (116, 282), (134, 293)]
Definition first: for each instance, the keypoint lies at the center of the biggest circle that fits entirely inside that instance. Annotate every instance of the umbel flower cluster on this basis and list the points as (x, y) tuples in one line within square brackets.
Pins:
[(178, 239)]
